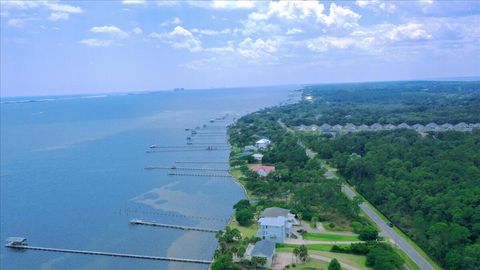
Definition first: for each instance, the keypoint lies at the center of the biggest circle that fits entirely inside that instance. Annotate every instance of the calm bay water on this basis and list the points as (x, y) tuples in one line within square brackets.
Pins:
[(72, 176)]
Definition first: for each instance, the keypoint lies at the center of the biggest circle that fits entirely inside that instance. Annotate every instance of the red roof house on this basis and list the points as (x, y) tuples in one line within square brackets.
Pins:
[(262, 170)]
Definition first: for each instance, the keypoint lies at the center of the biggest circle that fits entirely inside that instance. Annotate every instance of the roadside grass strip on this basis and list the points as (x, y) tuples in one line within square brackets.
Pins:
[(329, 237)]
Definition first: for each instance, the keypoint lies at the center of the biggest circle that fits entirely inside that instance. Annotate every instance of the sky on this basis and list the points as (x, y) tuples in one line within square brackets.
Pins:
[(74, 47)]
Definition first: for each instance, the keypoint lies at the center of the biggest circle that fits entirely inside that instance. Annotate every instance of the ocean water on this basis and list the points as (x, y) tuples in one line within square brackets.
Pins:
[(72, 176)]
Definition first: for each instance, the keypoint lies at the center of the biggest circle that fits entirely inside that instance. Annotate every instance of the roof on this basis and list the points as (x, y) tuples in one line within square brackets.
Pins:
[(275, 212), (259, 167), (264, 248), (263, 141), (273, 221), (258, 155), (16, 239)]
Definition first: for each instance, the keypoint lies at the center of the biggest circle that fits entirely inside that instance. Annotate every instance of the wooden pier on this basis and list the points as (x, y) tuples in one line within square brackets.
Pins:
[(188, 150), (24, 246), (152, 167), (171, 226), (203, 162), (198, 174)]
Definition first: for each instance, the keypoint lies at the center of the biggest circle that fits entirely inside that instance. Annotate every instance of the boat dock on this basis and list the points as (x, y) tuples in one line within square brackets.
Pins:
[(171, 226), (151, 167), (20, 244), (188, 150), (203, 162), (198, 174)]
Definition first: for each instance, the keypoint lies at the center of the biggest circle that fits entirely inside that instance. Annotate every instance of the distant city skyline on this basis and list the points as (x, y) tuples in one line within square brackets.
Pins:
[(80, 47)]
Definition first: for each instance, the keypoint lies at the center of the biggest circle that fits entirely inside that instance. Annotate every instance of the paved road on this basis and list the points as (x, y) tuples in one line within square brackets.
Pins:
[(388, 231), (385, 229)]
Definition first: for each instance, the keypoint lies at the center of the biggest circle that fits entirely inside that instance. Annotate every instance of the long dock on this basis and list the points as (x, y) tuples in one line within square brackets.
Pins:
[(152, 167), (199, 174), (171, 226), (203, 162), (112, 254), (188, 150)]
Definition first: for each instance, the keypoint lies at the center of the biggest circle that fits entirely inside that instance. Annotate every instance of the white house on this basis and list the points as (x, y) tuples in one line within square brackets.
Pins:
[(258, 157), (262, 248), (275, 224), (263, 143)]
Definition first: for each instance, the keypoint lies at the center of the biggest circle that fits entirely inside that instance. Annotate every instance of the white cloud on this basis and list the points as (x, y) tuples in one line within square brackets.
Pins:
[(110, 30), (221, 4), (259, 49), (412, 31), (173, 21), (376, 5), (93, 42), (201, 63), (57, 16), (290, 10), (56, 7), (323, 44), (134, 2), (59, 11), (340, 16), (294, 31), (137, 30), (180, 38), (210, 32), (18, 22), (300, 11)]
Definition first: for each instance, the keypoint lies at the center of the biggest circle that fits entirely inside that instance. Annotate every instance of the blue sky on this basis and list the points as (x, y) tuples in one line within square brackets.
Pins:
[(69, 47)]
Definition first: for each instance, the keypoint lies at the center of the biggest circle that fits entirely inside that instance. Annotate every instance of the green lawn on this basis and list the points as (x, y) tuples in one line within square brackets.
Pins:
[(312, 265), (329, 237), (318, 247), (350, 259), (246, 231)]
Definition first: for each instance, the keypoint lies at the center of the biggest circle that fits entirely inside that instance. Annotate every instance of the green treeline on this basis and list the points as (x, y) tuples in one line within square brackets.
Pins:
[(298, 182), (428, 186), (388, 102)]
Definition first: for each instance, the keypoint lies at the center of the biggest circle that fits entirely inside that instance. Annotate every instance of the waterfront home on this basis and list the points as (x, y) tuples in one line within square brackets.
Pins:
[(262, 170), (376, 126), (262, 248), (363, 127), (403, 125), (325, 128), (313, 128), (258, 157), (475, 126), (462, 127), (447, 126), (431, 127), (279, 212), (419, 127), (337, 128), (389, 127), (350, 127), (302, 128), (274, 229), (263, 143), (250, 148)]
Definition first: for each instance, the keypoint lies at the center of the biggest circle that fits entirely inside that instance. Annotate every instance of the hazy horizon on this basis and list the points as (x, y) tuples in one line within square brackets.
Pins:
[(84, 47)]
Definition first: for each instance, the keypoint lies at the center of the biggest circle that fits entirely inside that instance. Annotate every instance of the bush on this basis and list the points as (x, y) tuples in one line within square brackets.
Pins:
[(334, 265), (368, 233), (244, 216)]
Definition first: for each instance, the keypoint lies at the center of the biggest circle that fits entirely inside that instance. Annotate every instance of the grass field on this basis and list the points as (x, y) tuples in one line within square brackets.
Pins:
[(246, 231), (318, 247), (329, 237), (353, 260)]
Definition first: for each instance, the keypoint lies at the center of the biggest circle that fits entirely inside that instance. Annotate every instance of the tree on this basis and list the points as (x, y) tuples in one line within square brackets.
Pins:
[(259, 261), (224, 263), (334, 265), (244, 216), (242, 204), (301, 253), (368, 233)]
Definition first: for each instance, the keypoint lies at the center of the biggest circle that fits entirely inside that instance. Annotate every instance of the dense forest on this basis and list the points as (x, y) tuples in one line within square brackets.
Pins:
[(298, 182), (428, 186), (389, 102)]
